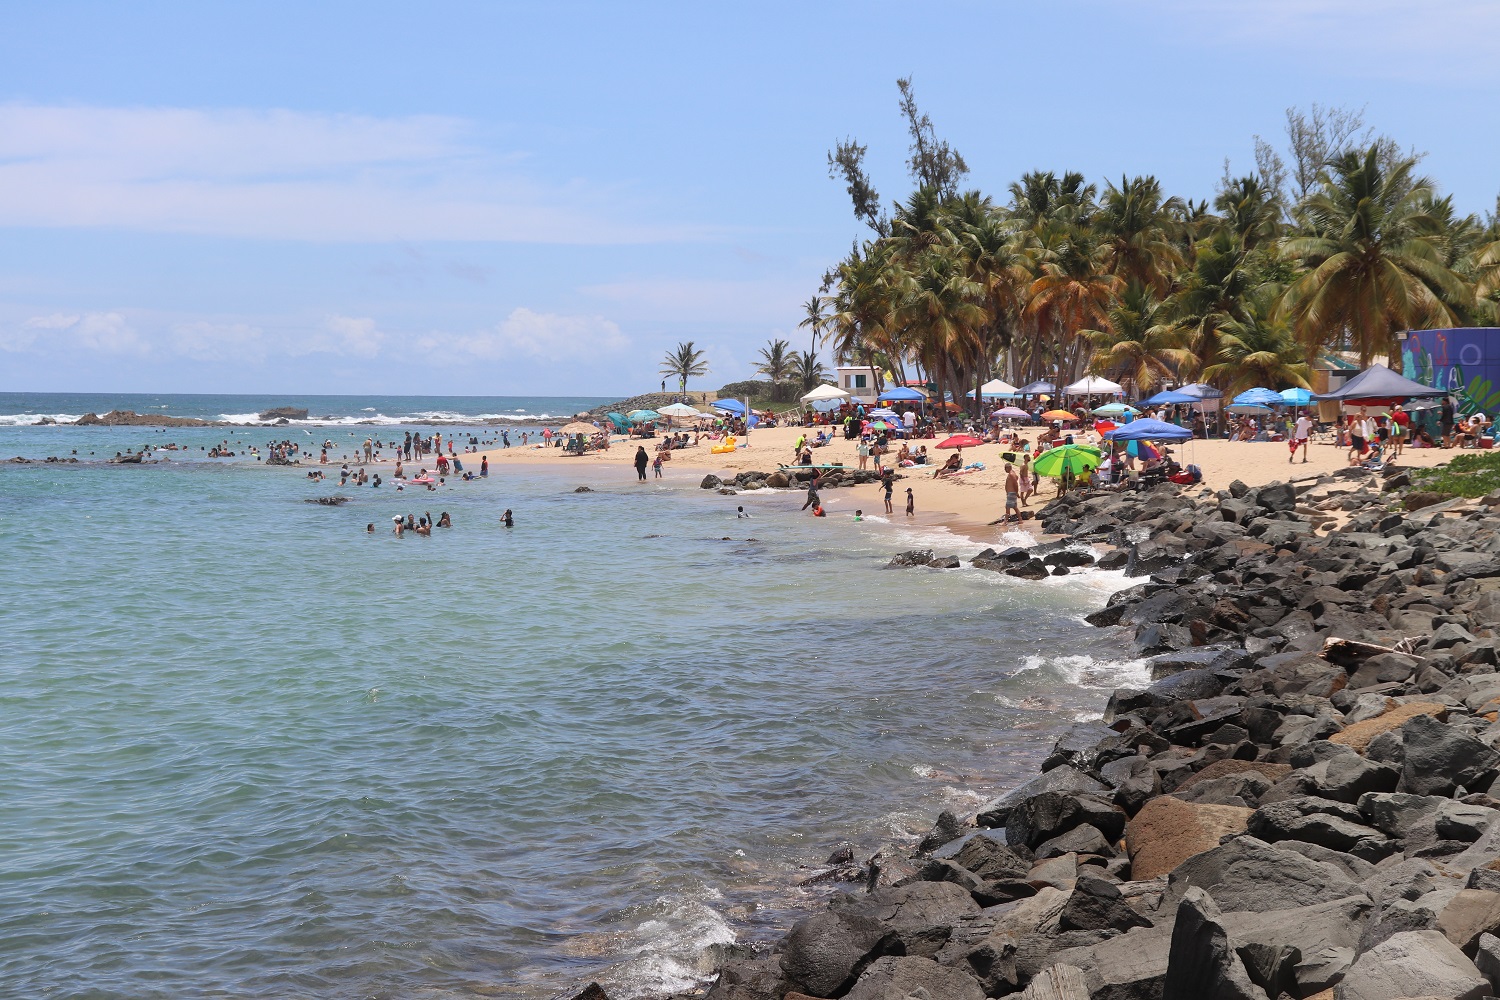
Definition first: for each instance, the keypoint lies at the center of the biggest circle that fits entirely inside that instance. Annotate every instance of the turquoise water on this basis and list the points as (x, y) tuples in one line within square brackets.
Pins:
[(248, 750)]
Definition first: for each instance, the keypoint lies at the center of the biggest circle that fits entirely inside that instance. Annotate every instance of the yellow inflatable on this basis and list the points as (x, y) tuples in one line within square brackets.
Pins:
[(724, 447)]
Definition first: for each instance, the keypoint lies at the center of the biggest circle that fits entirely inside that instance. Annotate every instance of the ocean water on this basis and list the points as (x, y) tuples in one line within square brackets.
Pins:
[(248, 750)]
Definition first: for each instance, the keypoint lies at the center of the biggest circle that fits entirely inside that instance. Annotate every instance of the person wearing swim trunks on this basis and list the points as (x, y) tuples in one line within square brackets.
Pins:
[(1012, 493)]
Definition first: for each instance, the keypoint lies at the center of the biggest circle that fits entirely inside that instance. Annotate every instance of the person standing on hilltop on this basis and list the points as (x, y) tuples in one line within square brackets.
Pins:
[(641, 461)]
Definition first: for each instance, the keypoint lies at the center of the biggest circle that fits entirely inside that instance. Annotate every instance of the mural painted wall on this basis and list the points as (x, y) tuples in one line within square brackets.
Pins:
[(1465, 361)]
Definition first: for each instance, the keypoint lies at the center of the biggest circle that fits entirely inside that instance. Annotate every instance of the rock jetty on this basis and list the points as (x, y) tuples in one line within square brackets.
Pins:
[(130, 418), (791, 478), (284, 413), (1302, 803)]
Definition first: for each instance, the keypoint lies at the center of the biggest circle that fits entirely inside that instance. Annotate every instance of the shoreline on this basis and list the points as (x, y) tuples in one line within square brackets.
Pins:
[(1271, 767)]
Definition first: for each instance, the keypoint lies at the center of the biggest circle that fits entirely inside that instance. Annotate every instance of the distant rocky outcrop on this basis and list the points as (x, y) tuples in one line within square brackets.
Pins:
[(284, 413), (130, 418)]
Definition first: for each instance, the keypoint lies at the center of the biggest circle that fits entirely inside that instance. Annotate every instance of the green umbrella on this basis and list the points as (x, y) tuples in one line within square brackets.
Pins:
[(1075, 457), (643, 416)]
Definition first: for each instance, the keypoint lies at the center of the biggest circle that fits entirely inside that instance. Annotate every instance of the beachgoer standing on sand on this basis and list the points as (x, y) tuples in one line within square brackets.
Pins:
[(1300, 435), (1025, 478), (864, 453), (1445, 420), (911, 503), (641, 461), (1012, 493)]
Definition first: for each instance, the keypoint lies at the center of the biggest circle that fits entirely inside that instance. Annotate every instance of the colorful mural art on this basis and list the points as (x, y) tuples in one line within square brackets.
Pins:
[(1465, 361)]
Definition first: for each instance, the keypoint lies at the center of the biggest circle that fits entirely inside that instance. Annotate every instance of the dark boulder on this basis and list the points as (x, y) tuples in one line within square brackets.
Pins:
[(1439, 758), (912, 557), (1056, 779), (1096, 905), (1201, 964), (826, 952), (1044, 816), (903, 978)]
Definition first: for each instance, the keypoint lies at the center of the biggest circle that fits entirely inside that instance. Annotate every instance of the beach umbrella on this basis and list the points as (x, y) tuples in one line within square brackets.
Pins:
[(620, 421), (643, 416), (1074, 457), (879, 425), (884, 411), (1169, 397), (1296, 397), (1012, 413), (1148, 430), (1247, 408), (579, 427), (960, 441), (1259, 397), (1114, 410), (679, 410), (1059, 415), (1198, 391), (1103, 426)]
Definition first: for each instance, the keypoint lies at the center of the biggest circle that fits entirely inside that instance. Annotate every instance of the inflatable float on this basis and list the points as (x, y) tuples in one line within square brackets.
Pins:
[(724, 447)]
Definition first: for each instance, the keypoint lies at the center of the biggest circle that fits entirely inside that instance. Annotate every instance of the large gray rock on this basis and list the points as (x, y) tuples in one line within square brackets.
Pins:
[(1487, 958), (1412, 964), (1134, 780), (1096, 905), (1059, 982), (1310, 947), (750, 979), (1201, 964), (1131, 966), (904, 978), (921, 915), (1330, 824), (1044, 816), (1468, 915), (826, 952), (990, 859), (1059, 779), (1439, 758), (1397, 814), (1338, 772), (1249, 874)]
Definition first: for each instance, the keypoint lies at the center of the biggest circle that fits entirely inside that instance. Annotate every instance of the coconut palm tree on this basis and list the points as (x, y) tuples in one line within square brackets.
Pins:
[(1259, 348), (1140, 343), (1371, 259), (684, 362), (1133, 224), (775, 364), (814, 318), (807, 370)]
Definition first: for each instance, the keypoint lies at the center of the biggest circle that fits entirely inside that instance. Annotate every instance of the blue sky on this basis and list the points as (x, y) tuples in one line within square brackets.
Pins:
[(496, 198)]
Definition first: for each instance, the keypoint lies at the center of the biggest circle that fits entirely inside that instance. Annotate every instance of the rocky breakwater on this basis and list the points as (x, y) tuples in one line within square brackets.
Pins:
[(790, 478), (1303, 802), (130, 418)]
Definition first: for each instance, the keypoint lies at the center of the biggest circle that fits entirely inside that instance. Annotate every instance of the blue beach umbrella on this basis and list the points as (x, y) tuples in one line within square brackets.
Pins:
[(1146, 429), (1259, 397), (1169, 397), (1296, 397)]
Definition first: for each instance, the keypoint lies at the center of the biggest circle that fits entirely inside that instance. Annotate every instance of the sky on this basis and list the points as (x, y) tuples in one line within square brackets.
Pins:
[(543, 198)]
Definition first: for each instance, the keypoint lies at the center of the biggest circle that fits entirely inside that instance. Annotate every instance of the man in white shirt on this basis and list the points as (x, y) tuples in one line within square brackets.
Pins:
[(1300, 435), (909, 419)]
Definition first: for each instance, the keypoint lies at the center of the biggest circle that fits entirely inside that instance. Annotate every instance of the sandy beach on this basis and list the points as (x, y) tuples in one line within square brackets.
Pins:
[(966, 504)]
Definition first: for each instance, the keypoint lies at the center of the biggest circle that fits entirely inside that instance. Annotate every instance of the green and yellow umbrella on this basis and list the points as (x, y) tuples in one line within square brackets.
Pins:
[(1073, 457)]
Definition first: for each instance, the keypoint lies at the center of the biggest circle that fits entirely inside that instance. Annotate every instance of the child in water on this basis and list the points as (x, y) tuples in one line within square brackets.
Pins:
[(740, 512), (859, 515)]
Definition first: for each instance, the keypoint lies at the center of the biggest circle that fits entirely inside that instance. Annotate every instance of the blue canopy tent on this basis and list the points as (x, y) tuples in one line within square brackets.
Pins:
[(902, 394), (1037, 389), (736, 407), (1169, 397), (1199, 391), (1259, 397), (1147, 429)]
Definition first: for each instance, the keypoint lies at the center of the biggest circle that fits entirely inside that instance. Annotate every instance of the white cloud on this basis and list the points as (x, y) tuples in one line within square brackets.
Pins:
[(354, 336), (288, 175), (534, 335), (107, 333), (219, 342), (707, 300)]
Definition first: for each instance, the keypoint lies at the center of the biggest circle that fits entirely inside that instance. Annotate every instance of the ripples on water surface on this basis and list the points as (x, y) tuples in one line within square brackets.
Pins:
[(248, 751)]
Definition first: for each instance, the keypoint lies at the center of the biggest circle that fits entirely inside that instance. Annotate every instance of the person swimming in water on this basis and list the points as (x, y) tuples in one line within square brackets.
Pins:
[(398, 526), (507, 520), (444, 521)]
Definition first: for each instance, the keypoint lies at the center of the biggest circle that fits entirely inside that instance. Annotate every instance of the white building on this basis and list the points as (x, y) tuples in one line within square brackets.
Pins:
[(857, 381)]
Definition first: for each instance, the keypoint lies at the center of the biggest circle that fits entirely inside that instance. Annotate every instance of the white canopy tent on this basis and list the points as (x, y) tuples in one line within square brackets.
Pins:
[(825, 393), (997, 387), (1093, 386)]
